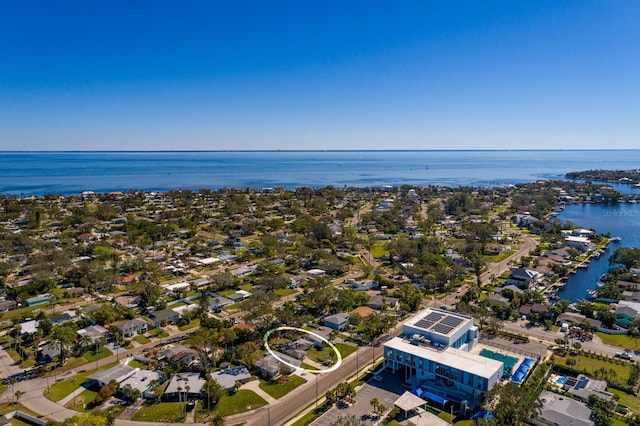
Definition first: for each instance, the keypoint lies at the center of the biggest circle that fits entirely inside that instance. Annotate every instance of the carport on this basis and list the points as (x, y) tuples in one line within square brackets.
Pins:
[(408, 402)]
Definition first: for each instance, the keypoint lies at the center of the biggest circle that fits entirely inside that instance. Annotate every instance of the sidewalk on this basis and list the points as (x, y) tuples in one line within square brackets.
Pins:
[(254, 385)]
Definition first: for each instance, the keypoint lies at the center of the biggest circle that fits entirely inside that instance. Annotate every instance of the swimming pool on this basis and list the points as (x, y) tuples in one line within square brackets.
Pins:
[(560, 380)]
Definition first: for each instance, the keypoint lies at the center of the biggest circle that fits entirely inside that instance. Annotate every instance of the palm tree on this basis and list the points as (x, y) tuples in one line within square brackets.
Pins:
[(18, 394), (187, 388), (84, 342)]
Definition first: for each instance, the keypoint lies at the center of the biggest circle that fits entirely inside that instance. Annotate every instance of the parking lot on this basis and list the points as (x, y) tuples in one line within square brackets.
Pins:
[(387, 391)]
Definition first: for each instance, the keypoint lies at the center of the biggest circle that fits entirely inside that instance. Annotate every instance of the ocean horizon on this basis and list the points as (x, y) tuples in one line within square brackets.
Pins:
[(310, 150), (71, 172)]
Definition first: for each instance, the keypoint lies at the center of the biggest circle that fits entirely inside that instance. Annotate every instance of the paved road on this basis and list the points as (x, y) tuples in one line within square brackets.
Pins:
[(549, 338), (8, 366), (496, 269), (301, 397)]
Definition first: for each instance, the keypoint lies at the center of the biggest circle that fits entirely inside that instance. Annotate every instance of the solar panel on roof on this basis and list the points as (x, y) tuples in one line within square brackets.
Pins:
[(433, 316), (451, 321), (441, 328), (424, 323), (582, 383)]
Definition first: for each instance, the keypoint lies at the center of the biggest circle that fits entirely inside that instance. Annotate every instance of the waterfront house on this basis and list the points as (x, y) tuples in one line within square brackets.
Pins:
[(580, 243), (523, 278)]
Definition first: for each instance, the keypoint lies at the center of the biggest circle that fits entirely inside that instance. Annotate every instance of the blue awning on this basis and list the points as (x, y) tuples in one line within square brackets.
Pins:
[(435, 398), (528, 362), (518, 376)]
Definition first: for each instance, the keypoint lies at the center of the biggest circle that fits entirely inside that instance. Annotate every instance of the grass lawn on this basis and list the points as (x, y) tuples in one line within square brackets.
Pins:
[(325, 354), (7, 407), (17, 422), (159, 333), (241, 401), (193, 323), (22, 312), (500, 257), (70, 364), (226, 293), (80, 401), (141, 339), (306, 419), (278, 390), (245, 287), (345, 350), (620, 340), (616, 422), (59, 390), (28, 363), (631, 401), (116, 410), (137, 364), (14, 355), (176, 305), (378, 249), (166, 412), (232, 307), (282, 292), (593, 364), (307, 366), (92, 356)]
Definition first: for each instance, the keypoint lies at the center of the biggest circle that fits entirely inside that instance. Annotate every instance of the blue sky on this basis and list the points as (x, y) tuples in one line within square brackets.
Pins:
[(156, 75)]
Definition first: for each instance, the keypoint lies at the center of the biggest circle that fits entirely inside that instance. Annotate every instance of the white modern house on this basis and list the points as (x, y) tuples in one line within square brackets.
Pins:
[(433, 353)]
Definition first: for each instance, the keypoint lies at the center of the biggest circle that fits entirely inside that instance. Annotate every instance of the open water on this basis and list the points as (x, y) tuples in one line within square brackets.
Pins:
[(66, 173), (621, 220)]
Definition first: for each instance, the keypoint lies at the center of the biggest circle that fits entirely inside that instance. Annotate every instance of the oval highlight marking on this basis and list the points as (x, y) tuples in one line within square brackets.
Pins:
[(331, 345)]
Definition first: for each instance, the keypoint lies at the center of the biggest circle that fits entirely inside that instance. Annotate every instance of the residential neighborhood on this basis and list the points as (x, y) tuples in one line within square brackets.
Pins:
[(154, 306)]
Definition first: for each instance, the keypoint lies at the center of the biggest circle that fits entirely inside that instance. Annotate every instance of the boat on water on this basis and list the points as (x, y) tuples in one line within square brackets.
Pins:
[(616, 239), (599, 284)]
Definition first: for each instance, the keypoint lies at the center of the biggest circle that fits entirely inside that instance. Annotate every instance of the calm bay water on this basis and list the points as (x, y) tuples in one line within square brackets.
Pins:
[(621, 220), (68, 173)]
